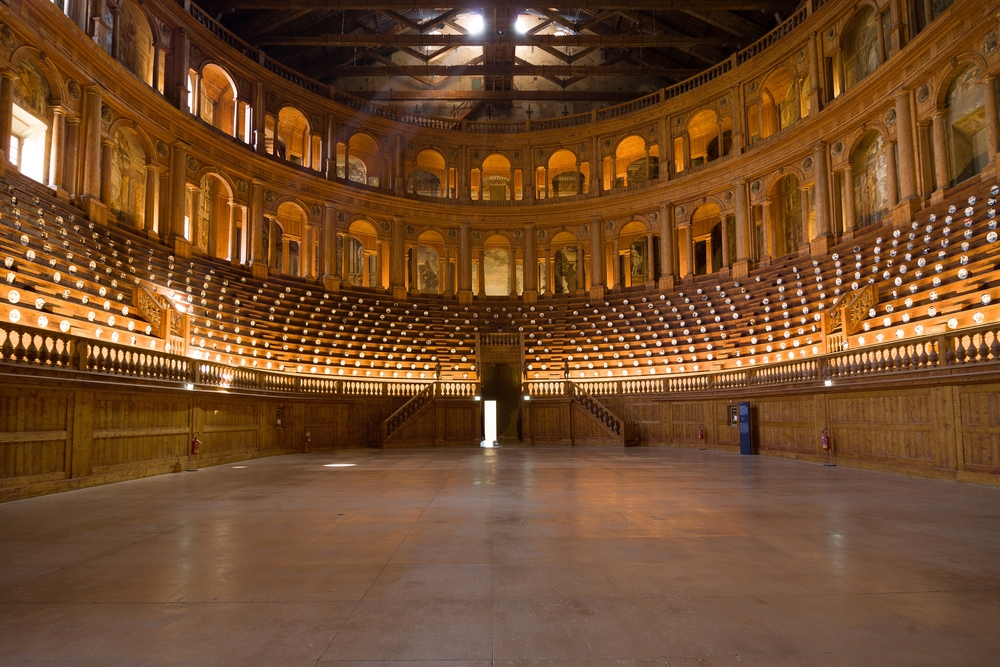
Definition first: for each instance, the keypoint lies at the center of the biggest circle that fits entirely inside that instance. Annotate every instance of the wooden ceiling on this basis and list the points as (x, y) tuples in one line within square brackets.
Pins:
[(471, 53)]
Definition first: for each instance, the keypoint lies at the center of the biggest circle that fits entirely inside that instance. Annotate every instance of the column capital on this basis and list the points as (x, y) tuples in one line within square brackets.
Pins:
[(8, 73), (398, 219), (329, 206), (819, 146), (258, 181)]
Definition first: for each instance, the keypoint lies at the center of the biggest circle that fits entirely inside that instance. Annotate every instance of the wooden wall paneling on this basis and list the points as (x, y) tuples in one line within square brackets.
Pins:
[(81, 441), (587, 431), (33, 436), (786, 424), (978, 438)]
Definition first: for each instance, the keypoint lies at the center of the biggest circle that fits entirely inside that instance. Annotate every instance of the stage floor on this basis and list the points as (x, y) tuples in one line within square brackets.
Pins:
[(512, 556)]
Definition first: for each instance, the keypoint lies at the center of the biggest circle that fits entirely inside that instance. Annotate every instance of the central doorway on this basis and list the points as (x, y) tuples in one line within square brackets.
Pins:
[(502, 383)]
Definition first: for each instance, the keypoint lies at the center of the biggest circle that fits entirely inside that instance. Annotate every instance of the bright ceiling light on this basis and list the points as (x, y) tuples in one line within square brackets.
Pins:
[(521, 25), (339, 465), (475, 24)]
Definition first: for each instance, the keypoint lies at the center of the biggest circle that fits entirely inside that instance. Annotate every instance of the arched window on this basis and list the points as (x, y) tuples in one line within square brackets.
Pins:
[(430, 176), (634, 255), (862, 53), (634, 162), (496, 180), (135, 42), (214, 215), (361, 262), (709, 137), (786, 215), (128, 179), (869, 168), (361, 153), (427, 264), (567, 263), (706, 230), (967, 140), (215, 101), (31, 122), (562, 176), (295, 243), (778, 107), (295, 141), (497, 266)]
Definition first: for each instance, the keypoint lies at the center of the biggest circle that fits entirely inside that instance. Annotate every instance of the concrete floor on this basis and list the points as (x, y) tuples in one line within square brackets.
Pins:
[(506, 557)]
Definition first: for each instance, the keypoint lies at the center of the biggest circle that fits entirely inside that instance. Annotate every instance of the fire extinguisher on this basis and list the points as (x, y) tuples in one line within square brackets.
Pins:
[(701, 434), (826, 439), (195, 445), (309, 438)]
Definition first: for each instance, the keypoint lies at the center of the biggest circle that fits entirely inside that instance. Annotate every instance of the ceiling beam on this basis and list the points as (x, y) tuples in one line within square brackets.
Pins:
[(508, 70), (632, 41), (592, 5), (495, 95)]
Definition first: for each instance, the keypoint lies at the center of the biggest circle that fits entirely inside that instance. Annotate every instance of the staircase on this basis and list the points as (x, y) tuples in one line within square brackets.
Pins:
[(627, 432), (407, 411)]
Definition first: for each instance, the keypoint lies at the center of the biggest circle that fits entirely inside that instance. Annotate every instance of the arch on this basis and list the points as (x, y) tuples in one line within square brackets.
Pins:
[(968, 145), (32, 120), (427, 263), (216, 100), (494, 181), (365, 157), (358, 252), (429, 175), (632, 163), (136, 41), (296, 246), (634, 238), (860, 48), (870, 175), (705, 131), (564, 177), (785, 213), (778, 106), (213, 214), (128, 177), (706, 239), (53, 79), (293, 141), (498, 265)]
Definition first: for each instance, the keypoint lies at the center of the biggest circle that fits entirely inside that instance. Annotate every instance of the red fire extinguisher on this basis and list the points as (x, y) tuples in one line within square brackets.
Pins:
[(701, 434), (195, 445), (826, 439), (309, 438)]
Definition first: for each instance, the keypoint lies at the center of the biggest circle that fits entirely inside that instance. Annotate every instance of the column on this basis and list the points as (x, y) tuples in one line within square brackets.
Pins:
[(687, 238), (92, 144), (992, 129), (530, 260), (742, 223), (803, 216), (528, 179), (597, 268), (7, 77), (107, 156), (513, 272), (259, 115), (98, 29), (116, 15), (258, 263), (650, 265), (328, 245), (70, 162), (178, 191), (464, 260), (152, 196), (400, 167), (904, 139), (482, 271), (941, 171), (235, 217), (822, 190), (668, 247), (663, 141), (58, 148), (397, 258), (550, 269), (616, 273), (286, 254), (850, 215), (193, 207), (596, 171), (182, 63), (725, 237), (815, 97), (891, 180)]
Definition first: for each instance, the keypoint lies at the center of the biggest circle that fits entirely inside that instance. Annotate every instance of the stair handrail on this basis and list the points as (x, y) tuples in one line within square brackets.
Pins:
[(600, 411), (417, 402)]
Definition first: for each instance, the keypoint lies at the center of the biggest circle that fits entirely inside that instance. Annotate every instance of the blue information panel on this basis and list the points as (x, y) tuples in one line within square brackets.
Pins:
[(746, 442)]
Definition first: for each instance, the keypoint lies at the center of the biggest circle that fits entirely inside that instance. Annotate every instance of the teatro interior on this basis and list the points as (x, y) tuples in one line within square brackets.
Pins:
[(650, 333)]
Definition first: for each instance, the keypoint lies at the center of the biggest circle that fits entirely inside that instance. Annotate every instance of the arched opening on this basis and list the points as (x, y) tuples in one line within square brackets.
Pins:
[(128, 179), (567, 262), (498, 269), (363, 157), (709, 137), (870, 173), (968, 144), (706, 230), (214, 215), (32, 118), (427, 270), (430, 176), (295, 243), (295, 141), (215, 102), (862, 53), (562, 176), (634, 162), (634, 256), (786, 215), (135, 42), (496, 180), (778, 106), (361, 262)]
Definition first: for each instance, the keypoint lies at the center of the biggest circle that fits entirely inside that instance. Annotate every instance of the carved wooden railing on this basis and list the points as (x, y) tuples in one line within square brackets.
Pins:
[(406, 411), (601, 413), (500, 339)]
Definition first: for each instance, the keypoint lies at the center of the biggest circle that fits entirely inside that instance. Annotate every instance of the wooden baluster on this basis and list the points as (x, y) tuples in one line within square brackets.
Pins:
[(984, 350), (7, 349)]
